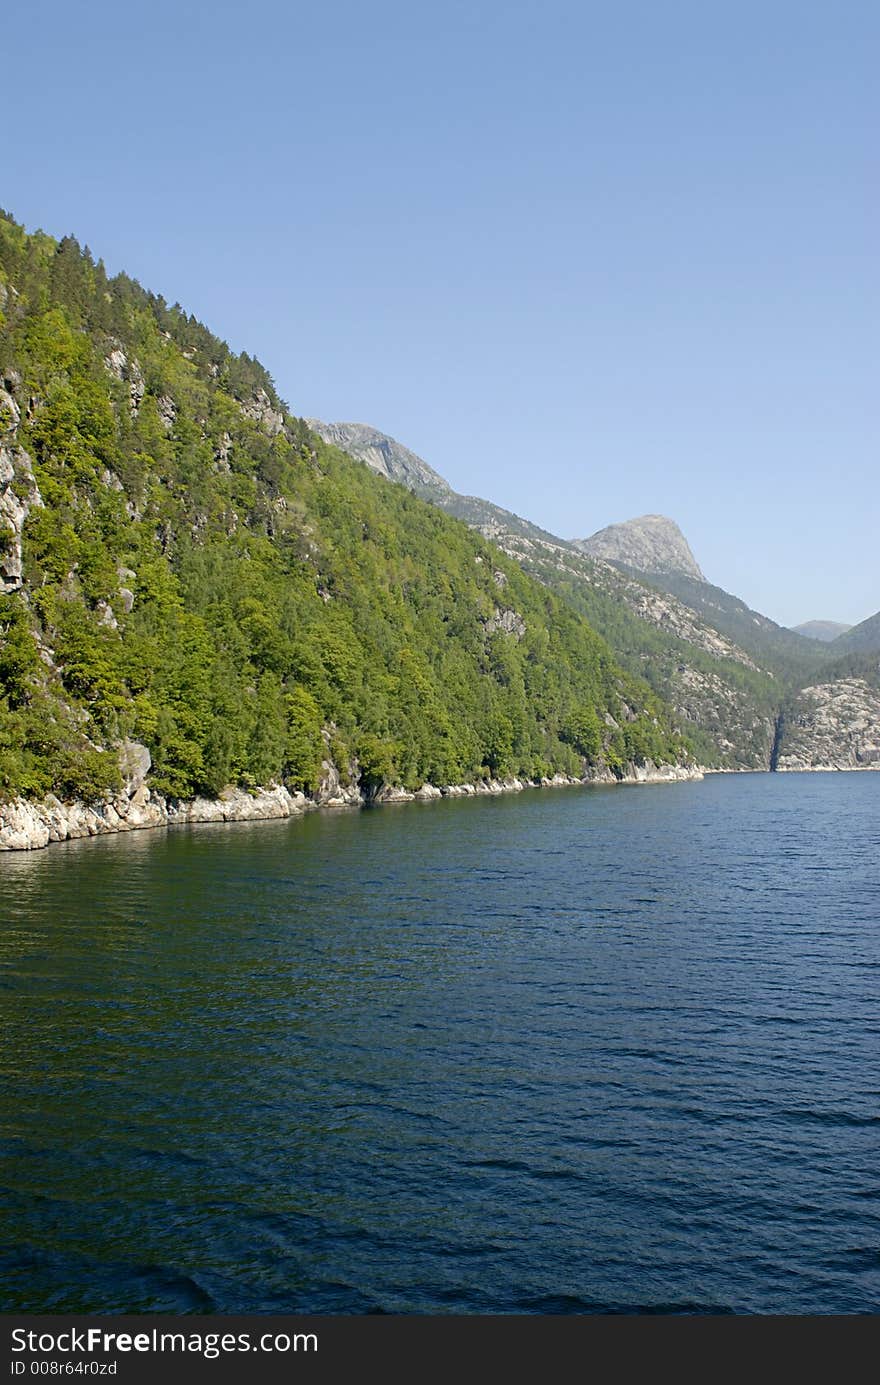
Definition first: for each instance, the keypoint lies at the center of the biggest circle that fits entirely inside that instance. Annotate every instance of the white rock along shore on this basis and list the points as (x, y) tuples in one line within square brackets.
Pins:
[(27, 825)]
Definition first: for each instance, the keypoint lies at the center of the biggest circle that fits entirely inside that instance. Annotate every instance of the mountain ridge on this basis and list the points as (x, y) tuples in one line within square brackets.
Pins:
[(389, 458), (202, 600), (194, 583), (728, 671)]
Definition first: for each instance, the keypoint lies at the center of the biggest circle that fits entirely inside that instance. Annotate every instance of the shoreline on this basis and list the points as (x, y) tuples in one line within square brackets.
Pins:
[(27, 825), (31, 825)]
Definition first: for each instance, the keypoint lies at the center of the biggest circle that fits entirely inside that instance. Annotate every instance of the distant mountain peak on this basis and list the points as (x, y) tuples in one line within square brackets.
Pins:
[(650, 543), (823, 630)]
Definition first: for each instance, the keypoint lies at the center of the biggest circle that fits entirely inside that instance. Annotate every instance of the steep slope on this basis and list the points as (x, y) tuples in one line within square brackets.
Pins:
[(727, 703), (786, 654), (390, 458), (834, 723), (826, 693), (654, 550), (198, 592), (651, 544), (732, 676), (859, 639), (823, 630), (385, 456)]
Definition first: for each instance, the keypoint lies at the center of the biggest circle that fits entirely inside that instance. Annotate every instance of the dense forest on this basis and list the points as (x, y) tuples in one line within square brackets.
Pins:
[(184, 564)]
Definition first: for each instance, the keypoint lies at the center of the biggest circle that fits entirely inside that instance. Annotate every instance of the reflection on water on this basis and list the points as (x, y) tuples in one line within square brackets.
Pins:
[(566, 1051)]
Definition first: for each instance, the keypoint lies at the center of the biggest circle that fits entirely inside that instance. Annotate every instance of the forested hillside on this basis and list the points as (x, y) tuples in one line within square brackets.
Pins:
[(859, 639), (730, 675), (788, 654), (186, 565)]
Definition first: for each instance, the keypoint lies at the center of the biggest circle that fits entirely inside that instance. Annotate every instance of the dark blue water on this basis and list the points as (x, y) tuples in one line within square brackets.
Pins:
[(561, 1052)]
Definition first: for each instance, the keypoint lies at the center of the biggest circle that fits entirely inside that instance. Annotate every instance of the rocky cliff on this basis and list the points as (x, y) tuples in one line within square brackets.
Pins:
[(19, 493), (650, 544), (383, 455), (832, 726)]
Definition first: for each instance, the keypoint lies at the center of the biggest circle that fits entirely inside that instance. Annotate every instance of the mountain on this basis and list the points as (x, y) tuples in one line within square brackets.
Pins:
[(732, 676), (833, 723), (651, 544), (653, 550), (863, 638), (777, 648), (391, 459), (822, 630), (716, 690), (384, 456), (201, 597)]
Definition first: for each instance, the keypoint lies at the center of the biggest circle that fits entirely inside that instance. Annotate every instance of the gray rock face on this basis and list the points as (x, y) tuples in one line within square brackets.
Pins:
[(651, 543), (381, 453), (119, 365), (235, 805), (167, 411), (332, 793), (261, 410), (337, 789), (222, 453), (27, 826), (508, 621), (823, 630), (19, 493), (134, 765), (833, 726)]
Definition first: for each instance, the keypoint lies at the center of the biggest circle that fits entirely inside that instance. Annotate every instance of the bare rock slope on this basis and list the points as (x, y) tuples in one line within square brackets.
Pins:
[(833, 726), (651, 543)]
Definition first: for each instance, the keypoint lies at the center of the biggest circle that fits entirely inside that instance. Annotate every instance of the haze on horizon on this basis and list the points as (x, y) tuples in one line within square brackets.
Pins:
[(587, 264)]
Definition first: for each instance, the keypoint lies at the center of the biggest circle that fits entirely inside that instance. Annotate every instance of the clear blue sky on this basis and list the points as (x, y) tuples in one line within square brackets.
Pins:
[(589, 260)]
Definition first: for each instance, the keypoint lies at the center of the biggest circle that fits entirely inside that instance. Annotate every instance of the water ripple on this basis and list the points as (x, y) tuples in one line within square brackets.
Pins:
[(592, 1052)]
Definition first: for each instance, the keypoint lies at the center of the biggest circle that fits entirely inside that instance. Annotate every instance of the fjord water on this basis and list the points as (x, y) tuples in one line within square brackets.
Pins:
[(580, 1050)]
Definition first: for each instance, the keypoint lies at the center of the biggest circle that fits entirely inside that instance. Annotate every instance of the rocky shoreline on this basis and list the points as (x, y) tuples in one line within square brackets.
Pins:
[(26, 825), (29, 826)]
